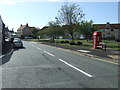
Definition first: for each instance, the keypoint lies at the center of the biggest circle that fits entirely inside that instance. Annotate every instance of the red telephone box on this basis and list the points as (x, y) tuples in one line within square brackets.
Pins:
[(97, 39)]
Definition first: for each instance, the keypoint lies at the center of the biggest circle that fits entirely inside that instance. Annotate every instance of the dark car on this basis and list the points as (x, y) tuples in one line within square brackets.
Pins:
[(17, 43)]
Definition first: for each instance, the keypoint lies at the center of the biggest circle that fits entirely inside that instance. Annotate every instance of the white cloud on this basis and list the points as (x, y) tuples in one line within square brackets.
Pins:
[(8, 2), (14, 2), (11, 2), (72, 0)]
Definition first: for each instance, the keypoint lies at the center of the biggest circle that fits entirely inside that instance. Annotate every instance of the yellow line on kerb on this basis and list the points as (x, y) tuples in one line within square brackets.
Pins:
[(82, 54), (106, 61)]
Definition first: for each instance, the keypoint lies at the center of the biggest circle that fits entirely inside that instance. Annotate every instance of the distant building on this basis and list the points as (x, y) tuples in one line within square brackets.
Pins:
[(6, 32), (109, 31), (24, 30), (11, 34)]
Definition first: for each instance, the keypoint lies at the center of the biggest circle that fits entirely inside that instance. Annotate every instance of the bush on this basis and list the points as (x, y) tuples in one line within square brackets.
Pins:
[(72, 43), (117, 40), (79, 43), (64, 41)]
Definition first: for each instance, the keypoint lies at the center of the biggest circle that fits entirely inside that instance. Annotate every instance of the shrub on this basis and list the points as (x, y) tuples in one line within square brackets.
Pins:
[(72, 43), (79, 43), (62, 42), (66, 41)]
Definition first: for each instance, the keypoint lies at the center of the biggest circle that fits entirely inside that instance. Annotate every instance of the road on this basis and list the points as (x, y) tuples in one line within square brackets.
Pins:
[(41, 66)]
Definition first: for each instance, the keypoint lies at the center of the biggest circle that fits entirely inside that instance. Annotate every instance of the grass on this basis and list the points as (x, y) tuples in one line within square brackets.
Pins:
[(86, 44), (83, 46), (37, 40), (114, 45)]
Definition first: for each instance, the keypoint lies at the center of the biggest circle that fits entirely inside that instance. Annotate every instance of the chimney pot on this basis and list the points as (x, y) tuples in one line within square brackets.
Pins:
[(26, 24)]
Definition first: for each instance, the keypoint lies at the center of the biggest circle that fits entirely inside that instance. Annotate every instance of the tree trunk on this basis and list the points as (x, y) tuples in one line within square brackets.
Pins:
[(53, 39), (72, 38)]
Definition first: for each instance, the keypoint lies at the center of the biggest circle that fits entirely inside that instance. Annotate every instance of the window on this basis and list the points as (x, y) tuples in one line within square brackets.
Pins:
[(112, 30), (103, 30)]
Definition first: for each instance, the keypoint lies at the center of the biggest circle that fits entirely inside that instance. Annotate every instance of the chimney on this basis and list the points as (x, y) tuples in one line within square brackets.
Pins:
[(108, 24), (12, 29), (26, 24)]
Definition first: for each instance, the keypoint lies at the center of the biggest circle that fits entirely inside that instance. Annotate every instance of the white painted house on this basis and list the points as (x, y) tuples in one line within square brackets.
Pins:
[(111, 31)]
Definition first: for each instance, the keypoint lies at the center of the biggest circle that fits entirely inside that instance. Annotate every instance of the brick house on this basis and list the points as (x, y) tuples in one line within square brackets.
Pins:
[(24, 30), (109, 31)]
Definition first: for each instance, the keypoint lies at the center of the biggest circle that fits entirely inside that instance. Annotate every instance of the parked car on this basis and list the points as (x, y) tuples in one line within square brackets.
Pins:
[(16, 39), (17, 43), (27, 37), (7, 39)]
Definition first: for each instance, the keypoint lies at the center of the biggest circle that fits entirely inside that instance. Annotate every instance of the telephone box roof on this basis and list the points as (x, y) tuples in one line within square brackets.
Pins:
[(97, 32)]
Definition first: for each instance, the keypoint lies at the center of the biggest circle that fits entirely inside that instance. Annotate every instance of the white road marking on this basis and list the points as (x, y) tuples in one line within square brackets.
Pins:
[(33, 42), (33, 45), (38, 48), (76, 68), (90, 55), (49, 53), (83, 50)]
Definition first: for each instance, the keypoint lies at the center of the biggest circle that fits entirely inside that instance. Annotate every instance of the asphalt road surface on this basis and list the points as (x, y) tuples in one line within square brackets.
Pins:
[(42, 66)]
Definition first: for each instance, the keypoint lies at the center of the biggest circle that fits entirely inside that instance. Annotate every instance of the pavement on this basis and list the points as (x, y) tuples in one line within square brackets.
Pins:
[(108, 54)]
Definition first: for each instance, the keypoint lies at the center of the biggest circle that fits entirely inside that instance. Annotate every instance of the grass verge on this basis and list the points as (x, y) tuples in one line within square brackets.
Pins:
[(86, 44)]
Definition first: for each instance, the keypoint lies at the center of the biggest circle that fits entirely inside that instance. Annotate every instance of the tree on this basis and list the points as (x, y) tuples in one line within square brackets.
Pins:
[(87, 29), (34, 31), (70, 16), (42, 32), (52, 31)]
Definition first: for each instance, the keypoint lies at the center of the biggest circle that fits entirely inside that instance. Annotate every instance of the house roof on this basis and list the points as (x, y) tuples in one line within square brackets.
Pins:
[(109, 26), (21, 27)]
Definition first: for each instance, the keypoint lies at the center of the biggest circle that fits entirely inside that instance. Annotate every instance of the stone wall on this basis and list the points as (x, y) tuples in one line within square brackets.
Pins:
[(1, 35)]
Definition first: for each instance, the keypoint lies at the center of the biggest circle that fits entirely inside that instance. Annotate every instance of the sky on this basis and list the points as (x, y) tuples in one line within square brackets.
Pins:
[(38, 13)]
